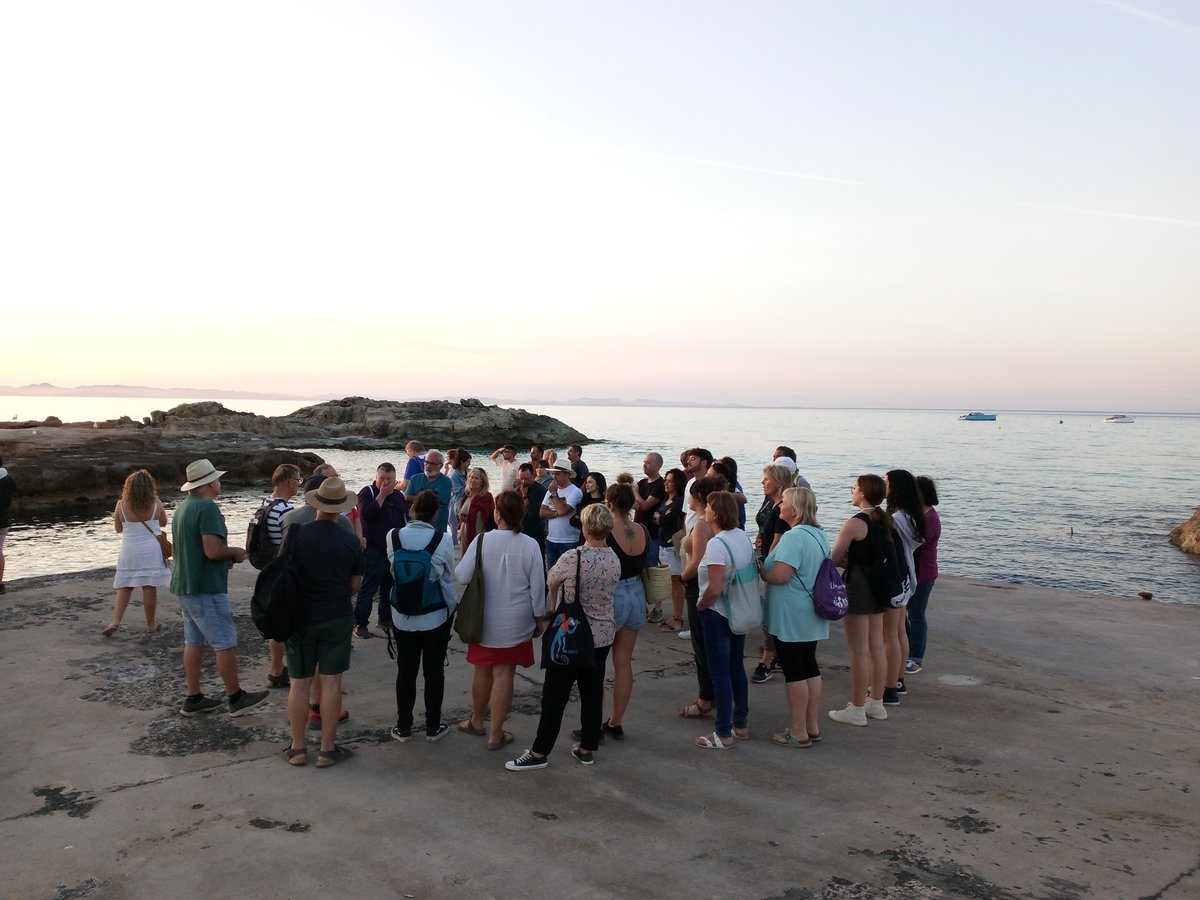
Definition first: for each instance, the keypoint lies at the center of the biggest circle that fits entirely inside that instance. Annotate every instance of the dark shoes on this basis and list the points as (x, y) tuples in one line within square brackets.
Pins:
[(194, 707), (616, 732), (279, 681), (890, 697)]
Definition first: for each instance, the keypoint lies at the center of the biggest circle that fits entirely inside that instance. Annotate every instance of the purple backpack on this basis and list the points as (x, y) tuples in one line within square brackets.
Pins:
[(830, 600)]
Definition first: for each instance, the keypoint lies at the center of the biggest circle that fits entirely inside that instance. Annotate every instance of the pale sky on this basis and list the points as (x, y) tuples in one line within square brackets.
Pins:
[(943, 203)]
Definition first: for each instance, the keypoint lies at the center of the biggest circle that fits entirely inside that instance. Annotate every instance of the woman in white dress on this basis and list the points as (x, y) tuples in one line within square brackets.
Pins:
[(139, 518)]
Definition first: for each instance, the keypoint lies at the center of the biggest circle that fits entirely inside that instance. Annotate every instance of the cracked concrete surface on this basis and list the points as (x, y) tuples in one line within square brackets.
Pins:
[(1049, 750)]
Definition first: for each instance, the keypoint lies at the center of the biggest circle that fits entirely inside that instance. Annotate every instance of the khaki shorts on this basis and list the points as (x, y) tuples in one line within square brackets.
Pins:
[(326, 644)]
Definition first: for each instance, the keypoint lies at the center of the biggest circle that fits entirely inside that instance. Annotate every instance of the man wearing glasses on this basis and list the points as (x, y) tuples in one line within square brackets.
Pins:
[(432, 479), (286, 481)]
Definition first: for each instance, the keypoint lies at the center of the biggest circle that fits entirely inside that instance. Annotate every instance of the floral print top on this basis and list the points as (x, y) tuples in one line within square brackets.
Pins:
[(598, 577)]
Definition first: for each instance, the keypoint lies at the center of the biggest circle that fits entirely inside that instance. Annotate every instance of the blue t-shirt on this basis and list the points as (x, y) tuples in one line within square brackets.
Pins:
[(790, 615), (442, 486)]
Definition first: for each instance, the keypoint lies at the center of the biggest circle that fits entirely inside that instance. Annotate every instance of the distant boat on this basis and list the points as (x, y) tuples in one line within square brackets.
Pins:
[(1119, 419), (978, 417)]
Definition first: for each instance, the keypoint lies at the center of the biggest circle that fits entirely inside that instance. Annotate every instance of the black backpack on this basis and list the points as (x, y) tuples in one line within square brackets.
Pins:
[(413, 592), (259, 548), (277, 607), (888, 574)]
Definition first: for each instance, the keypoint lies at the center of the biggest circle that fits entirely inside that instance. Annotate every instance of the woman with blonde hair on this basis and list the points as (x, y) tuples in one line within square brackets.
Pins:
[(776, 479), (790, 571), (139, 517), (477, 508)]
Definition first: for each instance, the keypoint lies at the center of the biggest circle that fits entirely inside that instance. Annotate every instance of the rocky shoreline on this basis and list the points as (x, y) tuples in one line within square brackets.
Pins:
[(85, 462), (1187, 536)]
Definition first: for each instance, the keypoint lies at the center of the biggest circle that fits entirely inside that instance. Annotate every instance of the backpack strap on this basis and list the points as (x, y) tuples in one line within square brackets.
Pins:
[(433, 542), (394, 537)]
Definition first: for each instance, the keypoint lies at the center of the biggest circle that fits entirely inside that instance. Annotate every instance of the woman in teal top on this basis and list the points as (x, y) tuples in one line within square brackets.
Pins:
[(790, 571)]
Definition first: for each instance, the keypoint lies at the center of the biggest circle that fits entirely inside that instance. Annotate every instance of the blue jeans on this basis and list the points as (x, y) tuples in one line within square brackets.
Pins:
[(918, 628), (377, 579), (724, 651), (554, 551)]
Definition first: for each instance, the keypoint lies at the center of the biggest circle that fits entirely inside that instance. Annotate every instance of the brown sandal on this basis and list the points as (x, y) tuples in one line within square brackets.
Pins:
[(296, 756), (695, 711), (667, 626)]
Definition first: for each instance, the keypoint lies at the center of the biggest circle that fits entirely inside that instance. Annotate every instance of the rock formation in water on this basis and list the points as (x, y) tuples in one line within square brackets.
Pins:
[(1187, 536), (87, 462)]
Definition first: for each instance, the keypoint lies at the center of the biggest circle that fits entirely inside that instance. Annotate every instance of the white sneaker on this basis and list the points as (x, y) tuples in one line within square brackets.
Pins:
[(685, 635), (851, 715), (875, 710)]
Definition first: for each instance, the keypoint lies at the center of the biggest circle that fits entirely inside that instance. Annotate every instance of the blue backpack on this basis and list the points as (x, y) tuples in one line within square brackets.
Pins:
[(414, 592)]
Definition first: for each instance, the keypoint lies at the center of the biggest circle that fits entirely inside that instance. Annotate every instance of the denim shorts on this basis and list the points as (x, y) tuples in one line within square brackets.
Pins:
[(629, 603), (668, 556), (207, 620)]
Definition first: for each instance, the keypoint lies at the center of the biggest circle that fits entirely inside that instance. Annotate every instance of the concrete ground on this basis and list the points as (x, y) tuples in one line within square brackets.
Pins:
[(1048, 750)]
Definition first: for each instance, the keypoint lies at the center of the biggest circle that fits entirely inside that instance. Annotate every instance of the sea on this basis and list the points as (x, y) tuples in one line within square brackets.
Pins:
[(1055, 499)]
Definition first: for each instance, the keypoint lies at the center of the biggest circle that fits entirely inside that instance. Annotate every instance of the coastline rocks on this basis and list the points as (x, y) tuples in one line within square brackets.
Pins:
[(360, 423), (87, 462), (79, 465), (1187, 536)]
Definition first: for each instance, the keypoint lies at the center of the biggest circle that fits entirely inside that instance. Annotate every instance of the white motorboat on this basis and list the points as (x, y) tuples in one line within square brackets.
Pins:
[(1119, 419)]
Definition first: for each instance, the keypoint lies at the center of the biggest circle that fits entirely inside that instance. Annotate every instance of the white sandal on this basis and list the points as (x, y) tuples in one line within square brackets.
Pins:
[(711, 742)]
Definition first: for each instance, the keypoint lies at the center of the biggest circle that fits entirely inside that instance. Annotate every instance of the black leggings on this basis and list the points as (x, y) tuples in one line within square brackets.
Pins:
[(556, 693), (691, 593), (798, 659), (424, 650)]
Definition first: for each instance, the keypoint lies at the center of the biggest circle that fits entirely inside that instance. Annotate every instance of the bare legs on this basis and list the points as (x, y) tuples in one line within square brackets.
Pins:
[(276, 658), (804, 702), (492, 686), (298, 710), (193, 656), (868, 660), (149, 606), (331, 709), (622, 660)]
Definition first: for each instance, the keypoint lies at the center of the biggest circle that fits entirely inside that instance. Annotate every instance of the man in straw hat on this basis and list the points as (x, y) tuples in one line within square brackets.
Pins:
[(329, 563), (201, 582)]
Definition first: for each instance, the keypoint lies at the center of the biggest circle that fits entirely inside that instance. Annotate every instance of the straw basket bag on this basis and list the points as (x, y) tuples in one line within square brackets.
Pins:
[(657, 581)]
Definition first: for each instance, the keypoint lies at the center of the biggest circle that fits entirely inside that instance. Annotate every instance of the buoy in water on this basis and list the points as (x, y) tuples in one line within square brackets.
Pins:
[(1145, 595)]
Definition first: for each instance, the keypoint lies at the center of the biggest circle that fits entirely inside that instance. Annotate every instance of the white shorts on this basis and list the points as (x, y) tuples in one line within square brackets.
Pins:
[(669, 558)]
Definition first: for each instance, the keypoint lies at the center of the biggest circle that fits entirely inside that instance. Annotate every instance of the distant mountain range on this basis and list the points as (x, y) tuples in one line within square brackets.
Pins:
[(138, 390)]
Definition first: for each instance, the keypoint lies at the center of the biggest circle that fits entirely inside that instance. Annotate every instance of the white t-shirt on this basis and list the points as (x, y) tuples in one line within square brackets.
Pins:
[(715, 554), (560, 530), (508, 473)]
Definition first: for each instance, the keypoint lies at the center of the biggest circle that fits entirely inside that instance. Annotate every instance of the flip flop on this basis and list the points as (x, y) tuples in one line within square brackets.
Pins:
[(695, 711), (787, 740), (466, 727), (109, 630), (711, 742), (666, 626), (153, 627), (506, 738)]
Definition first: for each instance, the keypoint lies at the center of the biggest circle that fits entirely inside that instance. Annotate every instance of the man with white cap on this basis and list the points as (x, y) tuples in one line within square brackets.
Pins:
[(329, 563), (560, 504), (201, 583)]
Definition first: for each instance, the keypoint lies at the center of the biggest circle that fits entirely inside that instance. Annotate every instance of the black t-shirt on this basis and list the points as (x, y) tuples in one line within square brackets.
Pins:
[(670, 520), (8, 487), (647, 489), (769, 525), (327, 557), (532, 523), (579, 467)]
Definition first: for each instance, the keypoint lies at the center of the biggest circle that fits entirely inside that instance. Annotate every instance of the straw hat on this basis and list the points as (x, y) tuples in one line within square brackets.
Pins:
[(199, 473), (331, 496)]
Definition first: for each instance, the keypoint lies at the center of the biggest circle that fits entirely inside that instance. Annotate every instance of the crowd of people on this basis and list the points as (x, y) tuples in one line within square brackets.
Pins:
[(551, 534)]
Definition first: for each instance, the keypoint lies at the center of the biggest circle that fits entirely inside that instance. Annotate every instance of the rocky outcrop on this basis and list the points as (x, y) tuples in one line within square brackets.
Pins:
[(87, 462), (359, 423), (1187, 536), (82, 465)]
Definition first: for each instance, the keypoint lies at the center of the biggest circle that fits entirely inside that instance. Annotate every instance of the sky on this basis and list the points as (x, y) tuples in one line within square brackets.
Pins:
[(925, 204)]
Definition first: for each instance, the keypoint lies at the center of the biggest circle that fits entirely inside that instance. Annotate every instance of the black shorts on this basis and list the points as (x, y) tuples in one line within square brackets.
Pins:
[(798, 659)]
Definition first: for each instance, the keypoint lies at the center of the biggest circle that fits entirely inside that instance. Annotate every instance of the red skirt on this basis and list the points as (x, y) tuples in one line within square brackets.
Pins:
[(520, 655)]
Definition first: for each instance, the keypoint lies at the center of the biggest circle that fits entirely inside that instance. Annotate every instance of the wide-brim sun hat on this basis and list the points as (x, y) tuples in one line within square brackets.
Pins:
[(562, 467), (331, 496), (200, 473)]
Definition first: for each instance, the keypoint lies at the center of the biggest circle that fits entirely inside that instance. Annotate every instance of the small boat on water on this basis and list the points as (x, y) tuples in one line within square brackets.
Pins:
[(1119, 419), (978, 417)]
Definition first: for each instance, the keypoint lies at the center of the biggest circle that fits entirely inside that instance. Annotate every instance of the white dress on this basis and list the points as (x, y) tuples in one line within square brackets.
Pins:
[(140, 563)]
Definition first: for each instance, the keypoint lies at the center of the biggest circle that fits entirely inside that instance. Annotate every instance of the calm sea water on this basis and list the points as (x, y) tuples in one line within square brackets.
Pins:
[(1053, 499)]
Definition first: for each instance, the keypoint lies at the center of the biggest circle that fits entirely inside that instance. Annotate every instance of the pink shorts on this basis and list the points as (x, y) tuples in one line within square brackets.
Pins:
[(520, 655)]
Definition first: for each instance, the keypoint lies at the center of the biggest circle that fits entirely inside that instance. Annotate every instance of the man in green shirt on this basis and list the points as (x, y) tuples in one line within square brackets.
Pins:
[(201, 583)]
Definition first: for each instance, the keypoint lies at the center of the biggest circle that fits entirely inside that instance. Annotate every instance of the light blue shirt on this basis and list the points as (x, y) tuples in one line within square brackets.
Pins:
[(790, 615), (415, 536)]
